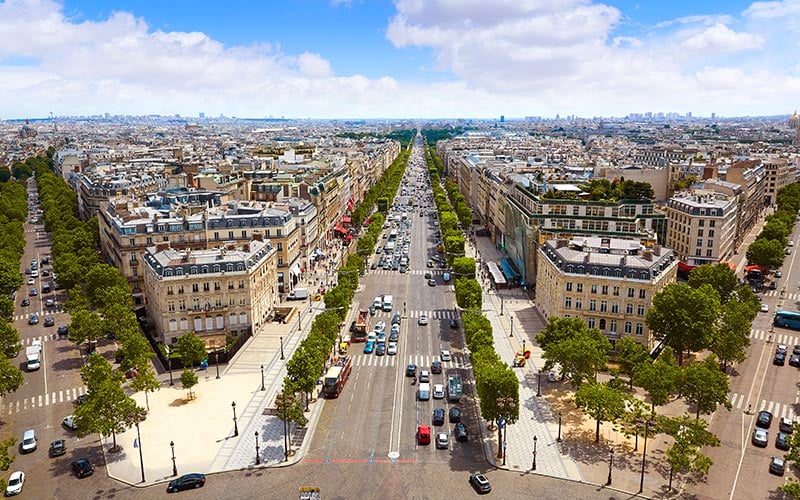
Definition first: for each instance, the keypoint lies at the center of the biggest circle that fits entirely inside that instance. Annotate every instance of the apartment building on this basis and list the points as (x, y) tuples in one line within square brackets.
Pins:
[(781, 171), (214, 293), (608, 282), (702, 227)]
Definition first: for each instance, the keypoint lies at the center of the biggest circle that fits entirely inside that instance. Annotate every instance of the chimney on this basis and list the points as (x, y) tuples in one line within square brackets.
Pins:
[(160, 247), (647, 254), (258, 236)]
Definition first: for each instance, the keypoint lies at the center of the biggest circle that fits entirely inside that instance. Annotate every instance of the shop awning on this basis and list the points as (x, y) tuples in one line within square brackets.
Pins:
[(346, 220), (340, 229), (295, 269), (684, 266), (508, 269)]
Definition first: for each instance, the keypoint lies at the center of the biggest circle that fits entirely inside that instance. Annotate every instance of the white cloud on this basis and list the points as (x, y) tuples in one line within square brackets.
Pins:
[(773, 10), (708, 20), (314, 66), (720, 38)]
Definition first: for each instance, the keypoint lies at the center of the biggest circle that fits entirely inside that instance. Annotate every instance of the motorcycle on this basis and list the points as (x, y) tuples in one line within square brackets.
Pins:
[(414, 381)]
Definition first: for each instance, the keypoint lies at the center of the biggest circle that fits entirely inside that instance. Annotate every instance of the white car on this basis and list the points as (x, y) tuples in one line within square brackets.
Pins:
[(380, 326), (445, 355), (392, 349), (764, 308), (69, 423), (441, 441), (31, 281), (15, 482), (438, 391), (423, 320)]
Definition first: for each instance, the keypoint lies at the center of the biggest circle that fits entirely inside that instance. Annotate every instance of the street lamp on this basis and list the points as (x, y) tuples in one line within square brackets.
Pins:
[(501, 305), (534, 453), (169, 364), (523, 340), (512, 327), (235, 425), (644, 453), (539, 384), (502, 404), (139, 440), (610, 465), (174, 467), (282, 348), (559, 428), (262, 378), (258, 456), (216, 357)]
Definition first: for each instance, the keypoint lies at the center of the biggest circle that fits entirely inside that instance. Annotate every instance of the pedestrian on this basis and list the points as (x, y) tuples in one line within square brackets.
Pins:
[(749, 408)]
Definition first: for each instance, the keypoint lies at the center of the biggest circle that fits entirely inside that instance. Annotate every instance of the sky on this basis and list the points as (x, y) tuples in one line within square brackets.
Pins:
[(398, 58)]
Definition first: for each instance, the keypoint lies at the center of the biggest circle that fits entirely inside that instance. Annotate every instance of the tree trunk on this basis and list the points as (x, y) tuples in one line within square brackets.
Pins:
[(670, 478), (499, 442), (697, 416), (146, 400), (597, 432)]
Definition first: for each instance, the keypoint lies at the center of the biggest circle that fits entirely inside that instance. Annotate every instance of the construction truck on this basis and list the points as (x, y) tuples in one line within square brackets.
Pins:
[(362, 324)]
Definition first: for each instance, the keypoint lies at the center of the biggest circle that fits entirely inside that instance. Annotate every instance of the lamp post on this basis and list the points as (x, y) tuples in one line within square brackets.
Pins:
[(169, 364), (299, 319), (283, 404), (610, 465), (174, 467), (139, 440), (539, 384), (559, 428), (534, 453), (235, 425), (262, 378), (523, 340), (282, 348), (216, 358), (501, 305), (644, 454), (258, 455), (502, 404), (512, 326)]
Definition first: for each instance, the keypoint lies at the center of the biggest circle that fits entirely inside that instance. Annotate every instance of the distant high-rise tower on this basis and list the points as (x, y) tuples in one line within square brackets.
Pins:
[(202, 115), (713, 116), (502, 118)]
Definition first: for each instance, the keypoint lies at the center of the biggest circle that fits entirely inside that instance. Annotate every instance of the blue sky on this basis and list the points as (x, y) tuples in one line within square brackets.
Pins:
[(398, 58)]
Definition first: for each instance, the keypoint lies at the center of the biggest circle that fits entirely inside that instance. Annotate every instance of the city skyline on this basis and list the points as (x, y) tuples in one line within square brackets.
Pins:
[(401, 59)]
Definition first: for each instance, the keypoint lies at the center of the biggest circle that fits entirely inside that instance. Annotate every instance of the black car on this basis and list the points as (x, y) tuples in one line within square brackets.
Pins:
[(460, 431), (453, 323), (49, 321), (82, 467), (438, 416), (794, 360), (782, 441), (380, 350), (396, 319), (780, 359), (796, 349), (186, 482), (455, 415), (764, 419), (26, 302), (480, 483), (372, 310), (411, 370), (353, 327), (58, 448), (63, 331), (393, 337)]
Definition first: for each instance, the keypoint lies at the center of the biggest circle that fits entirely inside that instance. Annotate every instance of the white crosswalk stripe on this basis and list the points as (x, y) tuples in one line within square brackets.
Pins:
[(458, 361), (778, 410), (777, 337), (43, 400)]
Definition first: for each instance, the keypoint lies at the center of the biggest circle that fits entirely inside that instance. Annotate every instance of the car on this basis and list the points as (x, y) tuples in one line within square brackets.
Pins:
[(395, 319), (438, 416), (31, 281), (371, 337), (45, 272), (430, 263), (49, 321), (382, 338), (34, 273), (442, 440), (33, 319), (760, 438), (131, 372), (69, 423), (428, 275), (436, 367), (63, 331), (369, 347), (372, 310), (782, 441), (423, 434), (58, 448), (28, 270), (391, 350), (780, 359), (394, 337), (33, 292), (26, 302), (353, 327), (764, 308), (373, 266), (460, 430), (788, 251), (49, 303), (395, 328), (82, 467), (445, 355), (424, 376), (773, 285), (794, 360), (438, 391), (782, 348), (402, 269), (480, 483), (777, 465), (15, 482), (778, 274), (786, 425), (764, 419), (81, 399), (796, 349), (431, 282), (29, 442), (381, 350), (411, 370), (380, 326), (422, 321)]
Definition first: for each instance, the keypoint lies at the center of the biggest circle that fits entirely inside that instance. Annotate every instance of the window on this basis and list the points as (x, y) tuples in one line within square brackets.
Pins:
[(639, 329), (217, 286), (580, 287), (280, 246), (216, 235), (196, 304), (701, 223), (568, 302), (230, 235), (149, 240), (592, 305), (173, 325), (698, 252), (613, 328), (244, 234), (578, 304), (220, 322), (604, 290), (569, 286), (132, 242), (631, 291), (171, 306), (198, 324), (710, 233), (241, 283), (615, 307), (616, 291), (628, 327), (594, 289), (184, 324), (629, 309), (642, 293), (699, 243), (182, 304), (591, 322), (232, 319), (180, 290), (711, 223), (206, 287), (603, 306), (195, 288), (243, 318), (699, 233), (640, 310), (603, 324)]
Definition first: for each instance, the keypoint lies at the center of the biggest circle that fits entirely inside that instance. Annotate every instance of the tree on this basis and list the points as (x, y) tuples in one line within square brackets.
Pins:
[(468, 293), (558, 329), (107, 409), (464, 266), (636, 413), (9, 339), (191, 349), (630, 354), (302, 370), (765, 253), (6, 458), (145, 380), (690, 436), (188, 380), (601, 402), (660, 378), (732, 338), (10, 279), (11, 377), (705, 386), (289, 408), (86, 326), (684, 317), (720, 276), (775, 229), (6, 308), (580, 356)]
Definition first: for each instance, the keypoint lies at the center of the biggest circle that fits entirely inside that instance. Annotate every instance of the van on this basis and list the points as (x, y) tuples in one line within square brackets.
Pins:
[(387, 303), (29, 441), (424, 434), (378, 302), (424, 391)]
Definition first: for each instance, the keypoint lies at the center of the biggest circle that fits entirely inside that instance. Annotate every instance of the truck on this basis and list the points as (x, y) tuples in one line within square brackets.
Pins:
[(33, 353), (336, 377), (454, 390), (298, 294), (362, 324)]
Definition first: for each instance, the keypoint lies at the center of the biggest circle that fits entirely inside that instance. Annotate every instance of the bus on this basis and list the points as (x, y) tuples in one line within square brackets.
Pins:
[(787, 319), (336, 377)]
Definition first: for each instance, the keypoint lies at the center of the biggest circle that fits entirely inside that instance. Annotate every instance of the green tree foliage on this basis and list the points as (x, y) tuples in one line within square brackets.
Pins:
[(6, 308), (302, 370), (690, 436), (660, 378), (9, 339), (11, 377), (468, 293), (559, 329), (684, 317), (147, 381), (86, 326), (10, 278), (191, 349), (630, 354), (188, 380), (601, 402), (107, 409), (705, 386), (720, 276), (605, 190), (6, 457), (580, 356), (775, 229), (464, 267), (765, 253), (290, 408), (732, 337)]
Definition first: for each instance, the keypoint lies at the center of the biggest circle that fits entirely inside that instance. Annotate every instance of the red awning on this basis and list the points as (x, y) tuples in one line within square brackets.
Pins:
[(349, 237), (340, 229), (684, 267), (346, 220)]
